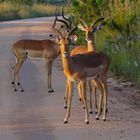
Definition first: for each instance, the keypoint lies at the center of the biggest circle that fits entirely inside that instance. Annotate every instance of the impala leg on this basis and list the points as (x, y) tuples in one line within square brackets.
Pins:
[(99, 87), (105, 89), (66, 94), (83, 87), (95, 100), (69, 101), (16, 74), (13, 77), (80, 94), (90, 96), (49, 73)]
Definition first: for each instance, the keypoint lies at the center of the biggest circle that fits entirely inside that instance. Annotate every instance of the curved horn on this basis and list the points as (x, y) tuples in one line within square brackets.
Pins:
[(59, 20), (55, 18), (102, 18), (63, 14), (53, 27), (99, 27), (67, 19)]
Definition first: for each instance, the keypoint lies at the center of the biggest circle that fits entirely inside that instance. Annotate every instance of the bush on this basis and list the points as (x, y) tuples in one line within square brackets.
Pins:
[(120, 37)]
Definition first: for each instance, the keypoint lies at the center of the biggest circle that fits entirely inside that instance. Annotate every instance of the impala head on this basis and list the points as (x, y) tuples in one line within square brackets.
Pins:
[(67, 25), (89, 30), (66, 32), (64, 41)]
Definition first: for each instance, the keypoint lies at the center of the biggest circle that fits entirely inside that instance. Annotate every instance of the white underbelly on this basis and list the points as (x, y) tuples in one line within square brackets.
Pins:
[(92, 73), (35, 55)]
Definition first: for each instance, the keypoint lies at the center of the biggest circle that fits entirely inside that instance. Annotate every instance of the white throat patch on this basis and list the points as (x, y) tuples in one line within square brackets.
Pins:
[(65, 54)]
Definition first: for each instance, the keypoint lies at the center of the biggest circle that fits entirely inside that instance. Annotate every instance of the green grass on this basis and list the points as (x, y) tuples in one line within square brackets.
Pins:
[(9, 11), (124, 61)]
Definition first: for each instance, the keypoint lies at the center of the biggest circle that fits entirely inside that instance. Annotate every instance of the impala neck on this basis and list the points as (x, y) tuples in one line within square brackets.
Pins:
[(66, 61), (91, 45)]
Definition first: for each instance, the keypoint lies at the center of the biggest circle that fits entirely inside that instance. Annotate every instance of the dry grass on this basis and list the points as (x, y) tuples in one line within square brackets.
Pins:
[(9, 11)]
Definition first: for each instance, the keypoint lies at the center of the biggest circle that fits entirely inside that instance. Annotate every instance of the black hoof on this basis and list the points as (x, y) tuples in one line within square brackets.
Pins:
[(87, 122), (15, 89), (104, 120), (96, 118), (13, 83), (51, 90), (91, 112), (18, 84), (22, 90), (96, 112), (80, 99), (65, 107), (83, 107), (65, 122)]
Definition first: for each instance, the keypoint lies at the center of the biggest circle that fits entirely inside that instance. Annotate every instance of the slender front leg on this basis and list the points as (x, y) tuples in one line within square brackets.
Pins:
[(83, 87), (105, 100), (80, 94), (66, 94), (95, 100), (16, 74), (99, 105), (90, 96), (49, 73), (98, 85), (69, 101)]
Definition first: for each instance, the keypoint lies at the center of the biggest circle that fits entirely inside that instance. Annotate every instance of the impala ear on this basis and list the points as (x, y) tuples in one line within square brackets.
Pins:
[(81, 27)]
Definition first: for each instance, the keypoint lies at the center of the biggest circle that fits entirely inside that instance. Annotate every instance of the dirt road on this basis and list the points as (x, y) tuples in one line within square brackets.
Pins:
[(38, 115)]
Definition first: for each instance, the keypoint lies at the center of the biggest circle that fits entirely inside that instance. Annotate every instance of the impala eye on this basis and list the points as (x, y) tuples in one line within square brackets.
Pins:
[(62, 26)]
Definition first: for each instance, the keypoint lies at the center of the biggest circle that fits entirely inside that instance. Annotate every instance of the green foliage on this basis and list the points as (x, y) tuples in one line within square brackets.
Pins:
[(120, 37)]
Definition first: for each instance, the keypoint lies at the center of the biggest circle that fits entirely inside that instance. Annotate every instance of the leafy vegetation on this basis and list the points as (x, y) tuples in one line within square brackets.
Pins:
[(120, 37)]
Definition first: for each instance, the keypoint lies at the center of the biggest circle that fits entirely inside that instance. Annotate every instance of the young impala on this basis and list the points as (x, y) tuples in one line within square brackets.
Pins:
[(81, 67)]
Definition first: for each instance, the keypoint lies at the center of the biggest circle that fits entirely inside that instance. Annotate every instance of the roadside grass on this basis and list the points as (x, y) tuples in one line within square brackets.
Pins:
[(124, 61), (120, 37), (11, 11)]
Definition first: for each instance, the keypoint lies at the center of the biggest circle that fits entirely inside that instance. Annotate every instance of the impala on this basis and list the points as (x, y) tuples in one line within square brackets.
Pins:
[(89, 33), (89, 37), (81, 67), (46, 50)]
